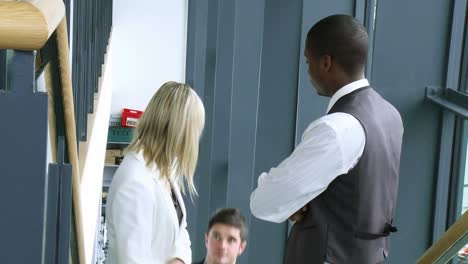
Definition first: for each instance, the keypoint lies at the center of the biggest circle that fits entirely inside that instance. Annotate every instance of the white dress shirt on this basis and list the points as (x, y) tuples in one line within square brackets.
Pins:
[(142, 222), (330, 147)]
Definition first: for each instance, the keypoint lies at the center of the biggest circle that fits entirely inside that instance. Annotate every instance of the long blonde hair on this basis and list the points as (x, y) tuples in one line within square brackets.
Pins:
[(169, 132)]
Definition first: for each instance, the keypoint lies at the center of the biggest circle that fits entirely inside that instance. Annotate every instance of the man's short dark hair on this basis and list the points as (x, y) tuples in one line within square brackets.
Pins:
[(231, 217), (342, 37)]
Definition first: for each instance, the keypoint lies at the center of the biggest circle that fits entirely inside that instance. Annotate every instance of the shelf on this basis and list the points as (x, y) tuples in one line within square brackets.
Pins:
[(111, 166), (107, 180), (108, 174), (118, 143)]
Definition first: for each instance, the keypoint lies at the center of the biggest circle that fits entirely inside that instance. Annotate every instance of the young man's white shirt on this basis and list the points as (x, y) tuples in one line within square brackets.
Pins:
[(330, 146)]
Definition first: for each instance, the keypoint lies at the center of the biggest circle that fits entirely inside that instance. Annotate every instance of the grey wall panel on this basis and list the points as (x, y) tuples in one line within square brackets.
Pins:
[(189, 79), (360, 10), (3, 69), (276, 114), (199, 41), (404, 63), (200, 74), (51, 208), (204, 163), (222, 104), (65, 226), (23, 149), (196, 44), (309, 105), (370, 16), (248, 32), (464, 70), (191, 33)]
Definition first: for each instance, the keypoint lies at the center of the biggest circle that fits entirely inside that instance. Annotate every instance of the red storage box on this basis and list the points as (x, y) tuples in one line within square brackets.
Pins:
[(130, 117)]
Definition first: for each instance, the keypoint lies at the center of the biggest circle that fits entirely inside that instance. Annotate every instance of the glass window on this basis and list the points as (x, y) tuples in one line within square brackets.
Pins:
[(464, 166), (465, 191), (463, 253), (464, 131), (464, 63)]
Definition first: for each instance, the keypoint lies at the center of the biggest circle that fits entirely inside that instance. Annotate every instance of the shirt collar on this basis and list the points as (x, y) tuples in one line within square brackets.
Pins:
[(347, 89)]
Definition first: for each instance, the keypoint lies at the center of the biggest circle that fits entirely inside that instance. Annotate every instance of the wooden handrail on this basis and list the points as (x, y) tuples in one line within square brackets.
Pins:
[(70, 127), (454, 234), (27, 25)]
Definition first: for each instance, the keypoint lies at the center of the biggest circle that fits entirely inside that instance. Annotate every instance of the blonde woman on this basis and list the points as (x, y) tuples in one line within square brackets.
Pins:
[(146, 218)]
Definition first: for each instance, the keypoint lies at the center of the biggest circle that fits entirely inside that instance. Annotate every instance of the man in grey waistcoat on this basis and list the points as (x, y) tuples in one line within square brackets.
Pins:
[(340, 184)]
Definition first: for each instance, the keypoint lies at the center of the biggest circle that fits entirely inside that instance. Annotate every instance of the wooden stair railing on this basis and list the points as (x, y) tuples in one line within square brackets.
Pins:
[(448, 245), (70, 127), (28, 25)]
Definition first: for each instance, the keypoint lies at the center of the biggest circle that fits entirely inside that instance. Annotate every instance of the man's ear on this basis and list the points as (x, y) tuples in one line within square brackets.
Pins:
[(206, 240), (243, 245), (325, 63)]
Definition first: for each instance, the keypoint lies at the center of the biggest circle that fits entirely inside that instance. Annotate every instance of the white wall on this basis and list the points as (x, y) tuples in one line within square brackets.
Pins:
[(147, 48), (92, 173), (149, 42)]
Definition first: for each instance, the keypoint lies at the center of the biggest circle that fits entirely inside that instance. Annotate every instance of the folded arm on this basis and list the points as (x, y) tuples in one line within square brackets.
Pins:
[(308, 171)]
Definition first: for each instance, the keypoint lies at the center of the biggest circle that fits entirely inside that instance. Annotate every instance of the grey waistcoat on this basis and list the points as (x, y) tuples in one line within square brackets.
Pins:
[(351, 220)]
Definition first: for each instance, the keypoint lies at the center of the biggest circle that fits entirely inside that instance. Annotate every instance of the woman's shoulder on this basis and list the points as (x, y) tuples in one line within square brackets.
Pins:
[(134, 170)]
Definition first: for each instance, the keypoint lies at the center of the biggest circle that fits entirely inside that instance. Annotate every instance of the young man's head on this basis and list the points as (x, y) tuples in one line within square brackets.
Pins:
[(336, 51), (226, 236)]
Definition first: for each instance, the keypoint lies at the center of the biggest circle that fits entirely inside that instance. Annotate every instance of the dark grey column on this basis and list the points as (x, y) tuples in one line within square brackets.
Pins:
[(79, 58), (207, 94), (200, 70), (276, 123), (248, 35), (23, 151), (3, 70), (198, 24), (65, 213), (51, 206), (189, 79), (359, 10), (463, 86), (58, 208), (222, 105), (370, 16)]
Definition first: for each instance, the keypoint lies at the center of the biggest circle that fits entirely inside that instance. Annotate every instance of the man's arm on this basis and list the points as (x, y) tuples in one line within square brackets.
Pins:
[(307, 172)]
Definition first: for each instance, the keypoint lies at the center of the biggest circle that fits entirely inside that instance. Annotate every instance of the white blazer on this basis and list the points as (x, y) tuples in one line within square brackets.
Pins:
[(142, 223)]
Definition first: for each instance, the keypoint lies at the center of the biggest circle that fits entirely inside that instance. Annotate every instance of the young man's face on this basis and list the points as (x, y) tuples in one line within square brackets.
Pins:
[(317, 67), (223, 244)]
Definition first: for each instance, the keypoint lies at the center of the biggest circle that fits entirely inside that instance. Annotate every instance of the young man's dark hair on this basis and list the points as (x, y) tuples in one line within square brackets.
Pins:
[(341, 37), (226, 237), (231, 217)]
